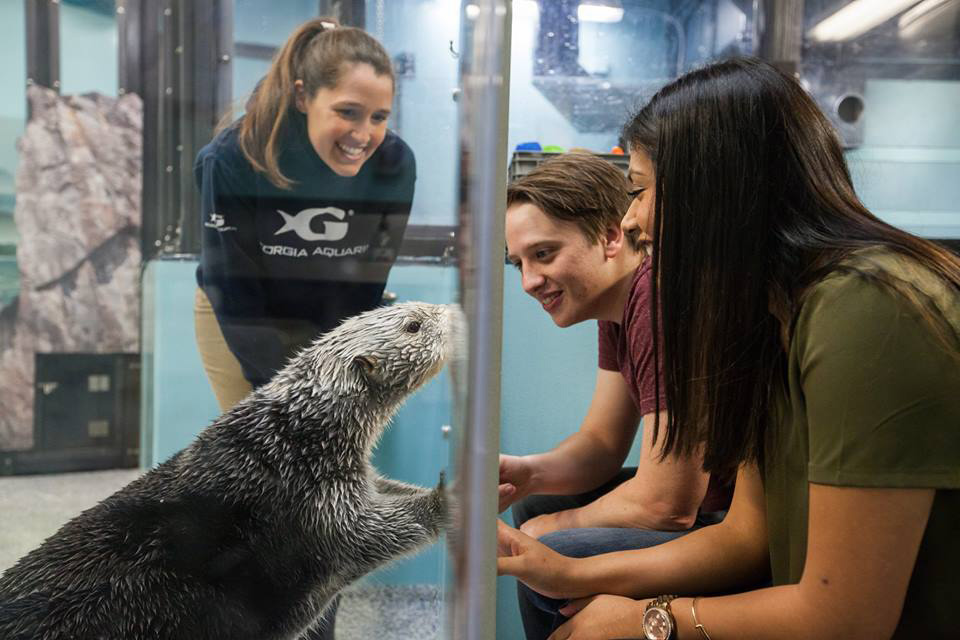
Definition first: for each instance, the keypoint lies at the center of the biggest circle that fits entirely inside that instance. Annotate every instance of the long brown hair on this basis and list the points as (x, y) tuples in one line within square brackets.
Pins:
[(316, 54), (754, 205)]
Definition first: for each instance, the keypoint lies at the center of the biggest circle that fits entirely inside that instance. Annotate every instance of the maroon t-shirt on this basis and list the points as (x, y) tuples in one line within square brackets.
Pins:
[(627, 347)]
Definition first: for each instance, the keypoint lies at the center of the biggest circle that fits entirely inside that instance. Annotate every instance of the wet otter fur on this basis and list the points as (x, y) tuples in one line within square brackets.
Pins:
[(250, 531)]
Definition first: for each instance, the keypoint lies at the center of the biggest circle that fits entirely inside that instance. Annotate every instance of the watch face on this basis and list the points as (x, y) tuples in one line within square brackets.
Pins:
[(657, 624)]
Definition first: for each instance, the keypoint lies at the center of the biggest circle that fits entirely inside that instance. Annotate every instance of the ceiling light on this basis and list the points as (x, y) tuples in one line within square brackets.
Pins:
[(600, 11), (918, 18), (526, 8), (857, 18)]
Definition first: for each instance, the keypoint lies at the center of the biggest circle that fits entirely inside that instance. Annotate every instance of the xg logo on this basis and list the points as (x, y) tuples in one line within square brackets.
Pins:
[(300, 224), (217, 221)]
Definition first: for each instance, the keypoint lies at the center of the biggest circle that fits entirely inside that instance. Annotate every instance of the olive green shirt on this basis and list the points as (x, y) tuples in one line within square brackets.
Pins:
[(873, 400)]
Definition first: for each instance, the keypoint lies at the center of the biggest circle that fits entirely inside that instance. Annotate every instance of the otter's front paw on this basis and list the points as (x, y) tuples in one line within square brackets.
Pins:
[(449, 504)]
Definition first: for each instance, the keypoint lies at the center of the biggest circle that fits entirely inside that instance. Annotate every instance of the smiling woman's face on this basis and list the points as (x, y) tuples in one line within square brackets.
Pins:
[(637, 223), (347, 123)]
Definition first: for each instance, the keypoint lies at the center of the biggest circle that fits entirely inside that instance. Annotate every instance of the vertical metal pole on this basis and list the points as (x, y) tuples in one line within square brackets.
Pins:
[(151, 93), (186, 85), (168, 197), (349, 13), (42, 18), (205, 90), (129, 77), (483, 171)]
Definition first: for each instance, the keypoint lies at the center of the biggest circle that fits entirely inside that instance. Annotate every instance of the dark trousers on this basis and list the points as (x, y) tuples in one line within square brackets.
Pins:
[(541, 614)]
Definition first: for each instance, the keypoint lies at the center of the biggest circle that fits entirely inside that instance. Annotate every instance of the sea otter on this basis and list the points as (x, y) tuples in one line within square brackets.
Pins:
[(250, 531)]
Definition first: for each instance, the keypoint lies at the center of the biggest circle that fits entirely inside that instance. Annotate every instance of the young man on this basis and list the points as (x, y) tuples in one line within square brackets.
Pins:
[(563, 233)]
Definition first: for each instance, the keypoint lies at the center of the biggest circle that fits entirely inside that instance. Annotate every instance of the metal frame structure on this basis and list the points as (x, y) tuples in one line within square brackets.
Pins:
[(42, 19), (347, 12), (177, 54), (485, 79)]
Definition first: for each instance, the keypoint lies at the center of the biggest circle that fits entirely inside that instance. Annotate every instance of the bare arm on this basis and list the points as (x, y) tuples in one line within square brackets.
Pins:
[(664, 495), (725, 556), (853, 585), (584, 460)]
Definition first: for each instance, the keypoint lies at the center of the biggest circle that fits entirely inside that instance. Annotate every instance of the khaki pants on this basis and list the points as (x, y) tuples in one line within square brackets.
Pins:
[(222, 367)]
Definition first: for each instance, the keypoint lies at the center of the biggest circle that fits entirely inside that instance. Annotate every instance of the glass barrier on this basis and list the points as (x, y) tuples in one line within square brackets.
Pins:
[(13, 114), (104, 224), (888, 76), (258, 30), (104, 378), (578, 69), (88, 47)]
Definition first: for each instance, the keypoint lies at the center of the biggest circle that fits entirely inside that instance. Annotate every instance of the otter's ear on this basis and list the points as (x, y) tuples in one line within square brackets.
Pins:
[(367, 366)]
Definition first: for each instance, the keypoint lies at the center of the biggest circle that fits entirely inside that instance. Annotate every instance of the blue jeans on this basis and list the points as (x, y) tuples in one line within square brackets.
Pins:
[(540, 614)]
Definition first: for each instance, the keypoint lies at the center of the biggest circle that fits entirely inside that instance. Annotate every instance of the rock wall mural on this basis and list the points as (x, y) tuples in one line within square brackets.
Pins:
[(78, 216)]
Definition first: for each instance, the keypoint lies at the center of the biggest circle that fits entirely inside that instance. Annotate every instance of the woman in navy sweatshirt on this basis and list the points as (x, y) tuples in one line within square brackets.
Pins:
[(304, 201)]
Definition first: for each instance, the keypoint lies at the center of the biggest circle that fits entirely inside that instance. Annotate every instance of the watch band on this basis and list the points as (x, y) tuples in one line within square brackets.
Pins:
[(663, 604)]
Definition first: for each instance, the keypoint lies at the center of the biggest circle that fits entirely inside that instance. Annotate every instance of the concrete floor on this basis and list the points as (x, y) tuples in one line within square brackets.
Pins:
[(34, 507)]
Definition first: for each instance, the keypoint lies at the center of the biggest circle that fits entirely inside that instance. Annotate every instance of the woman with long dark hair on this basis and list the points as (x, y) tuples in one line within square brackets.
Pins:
[(807, 345)]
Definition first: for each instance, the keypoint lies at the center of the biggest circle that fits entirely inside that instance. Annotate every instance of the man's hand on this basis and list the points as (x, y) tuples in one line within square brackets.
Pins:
[(601, 617), (515, 480), (550, 522), (535, 564)]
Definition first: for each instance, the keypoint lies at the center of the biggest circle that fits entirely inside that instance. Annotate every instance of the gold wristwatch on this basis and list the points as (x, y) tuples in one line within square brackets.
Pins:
[(658, 620)]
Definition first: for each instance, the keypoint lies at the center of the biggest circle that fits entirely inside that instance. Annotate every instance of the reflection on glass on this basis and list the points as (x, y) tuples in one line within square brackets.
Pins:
[(12, 119), (90, 402), (70, 300), (259, 29), (886, 74), (425, 113)]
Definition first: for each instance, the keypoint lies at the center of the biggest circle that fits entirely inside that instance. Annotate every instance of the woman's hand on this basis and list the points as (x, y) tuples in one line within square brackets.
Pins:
[(535, 564), (601, 617)]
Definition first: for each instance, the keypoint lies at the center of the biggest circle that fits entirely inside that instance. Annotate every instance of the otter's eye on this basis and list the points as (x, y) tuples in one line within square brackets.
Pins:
[(413, 327)]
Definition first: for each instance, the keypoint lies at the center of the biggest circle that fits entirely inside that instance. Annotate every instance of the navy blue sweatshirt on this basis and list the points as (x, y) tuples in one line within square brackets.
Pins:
[(281, 267)]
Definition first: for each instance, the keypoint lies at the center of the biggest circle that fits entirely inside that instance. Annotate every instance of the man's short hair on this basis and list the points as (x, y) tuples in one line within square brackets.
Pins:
[(578, 187)]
